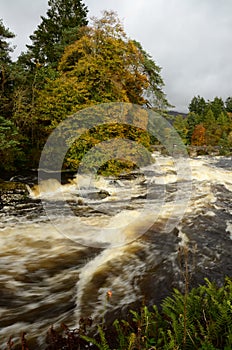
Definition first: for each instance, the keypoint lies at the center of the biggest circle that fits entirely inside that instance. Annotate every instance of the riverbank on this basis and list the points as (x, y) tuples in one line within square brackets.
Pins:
[(198, 319)]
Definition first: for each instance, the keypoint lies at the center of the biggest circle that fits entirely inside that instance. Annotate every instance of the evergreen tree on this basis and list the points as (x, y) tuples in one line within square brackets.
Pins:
[(212, 131), (192, 120), (57, 30), (6, 86), (5, 48), (35, 67), (228, 104), (154, 94), (10, 149), (198, 105), (217, 106)]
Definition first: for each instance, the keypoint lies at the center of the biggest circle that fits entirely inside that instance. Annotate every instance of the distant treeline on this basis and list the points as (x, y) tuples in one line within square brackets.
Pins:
[(208, 123)]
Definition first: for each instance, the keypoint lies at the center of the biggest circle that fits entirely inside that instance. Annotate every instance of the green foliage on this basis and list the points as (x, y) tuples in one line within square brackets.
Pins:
[(5, 48), (6, 87), (120, 158), (198, 105), (208, 315), (154, 94), (214, 117), (228, 104), (102, 66), (39, 64), (205, 312), (181, 125), (10, 151), (57, 30), (217, 106)]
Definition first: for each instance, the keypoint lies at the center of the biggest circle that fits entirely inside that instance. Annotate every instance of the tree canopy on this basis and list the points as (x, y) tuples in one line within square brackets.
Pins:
[(209, 123), (58, 29), (70, 65), (102, 66), (5, 71)]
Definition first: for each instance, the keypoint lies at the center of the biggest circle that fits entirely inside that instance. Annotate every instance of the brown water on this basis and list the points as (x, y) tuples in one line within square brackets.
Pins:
[(59, 257)]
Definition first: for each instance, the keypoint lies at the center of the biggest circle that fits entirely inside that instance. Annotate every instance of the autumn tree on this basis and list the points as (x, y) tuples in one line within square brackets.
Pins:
[(104, 65), (193, 119), (198, 136), (214, 116)]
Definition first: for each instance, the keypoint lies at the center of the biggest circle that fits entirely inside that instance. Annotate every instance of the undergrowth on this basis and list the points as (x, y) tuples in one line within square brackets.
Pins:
[(200, 320)]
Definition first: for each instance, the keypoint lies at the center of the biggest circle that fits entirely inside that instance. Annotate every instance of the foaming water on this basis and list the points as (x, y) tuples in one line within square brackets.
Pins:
[(64, 246)]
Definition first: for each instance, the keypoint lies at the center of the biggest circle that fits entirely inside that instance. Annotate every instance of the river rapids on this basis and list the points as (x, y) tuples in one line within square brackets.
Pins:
[(64, 246)]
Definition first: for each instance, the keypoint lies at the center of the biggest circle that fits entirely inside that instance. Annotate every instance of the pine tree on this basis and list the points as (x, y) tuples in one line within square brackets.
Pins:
[(198, 105), (5, 71), (228, 104), (57, 30), (217, 106)]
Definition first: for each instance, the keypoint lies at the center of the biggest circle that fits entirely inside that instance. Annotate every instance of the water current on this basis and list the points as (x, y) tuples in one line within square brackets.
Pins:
[(63, 246)]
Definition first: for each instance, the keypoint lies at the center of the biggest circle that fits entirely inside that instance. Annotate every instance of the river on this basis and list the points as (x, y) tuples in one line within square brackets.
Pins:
[(64, 246)]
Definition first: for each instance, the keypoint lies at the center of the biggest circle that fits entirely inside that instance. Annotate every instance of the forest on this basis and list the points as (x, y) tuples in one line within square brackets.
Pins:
[(72, 64)]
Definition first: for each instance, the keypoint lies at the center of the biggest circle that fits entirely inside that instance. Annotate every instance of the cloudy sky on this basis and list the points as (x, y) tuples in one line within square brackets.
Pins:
[(190, 39)]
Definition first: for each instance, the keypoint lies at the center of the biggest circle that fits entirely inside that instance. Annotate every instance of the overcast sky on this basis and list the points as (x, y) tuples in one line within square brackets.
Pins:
[(190, 39)]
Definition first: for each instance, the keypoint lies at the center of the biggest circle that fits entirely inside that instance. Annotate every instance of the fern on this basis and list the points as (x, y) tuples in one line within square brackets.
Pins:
[(121, 333), (104, 343), (132, 341), (208, 316), (198, 320)]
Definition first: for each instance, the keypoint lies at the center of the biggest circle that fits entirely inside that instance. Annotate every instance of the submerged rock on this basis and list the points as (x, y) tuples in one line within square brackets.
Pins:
[(11, 192), (98, 195)]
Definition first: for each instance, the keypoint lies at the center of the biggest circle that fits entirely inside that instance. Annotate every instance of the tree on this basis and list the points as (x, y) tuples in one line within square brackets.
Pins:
[(198, 105), (181, 126), (102, 66), (228, 104), (217, 106), (193, 119), (6, 86), (209, 119), (10, 149), (57, 30), (198, 136), (5, 48), (154, 93), (212, 133)]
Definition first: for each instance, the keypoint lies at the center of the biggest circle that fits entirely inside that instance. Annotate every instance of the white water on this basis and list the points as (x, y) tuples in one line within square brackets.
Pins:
[(44, 266)]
